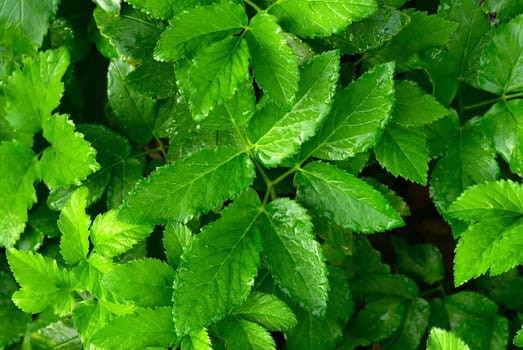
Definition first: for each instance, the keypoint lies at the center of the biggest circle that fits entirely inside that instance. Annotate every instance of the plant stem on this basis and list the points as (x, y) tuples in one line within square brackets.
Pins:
[(253, 5), (493, 100)]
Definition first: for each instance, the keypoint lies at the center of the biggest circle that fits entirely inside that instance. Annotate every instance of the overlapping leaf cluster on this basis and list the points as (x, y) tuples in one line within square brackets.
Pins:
[(218, 193)]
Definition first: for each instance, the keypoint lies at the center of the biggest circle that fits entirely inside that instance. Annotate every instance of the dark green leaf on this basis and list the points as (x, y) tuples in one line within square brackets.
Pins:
[(154, 79), (413, 326), (274, 64), (293, 256), (123, 178), (503, 9), (345, 199), (321, 18), (217, 271), (277, 133), (13, 321), (18, 173), (110, 147), (224, 172), (373, 286)]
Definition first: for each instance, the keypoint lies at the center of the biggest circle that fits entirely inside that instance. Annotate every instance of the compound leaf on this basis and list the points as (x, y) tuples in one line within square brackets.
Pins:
[(189, 186), (359, 114), (112, 237), (404, 151), (145, 328), (414, 107), (294, 257), (312, 18), (146, 282), (500, 68), (70, 158), (74, 225), (268, 311), (217, 271), (347, 200), (241, 334), (274, 64), (43, 283), (18, 173), (195, 29), (279, 133), (216, 74), (35, 91)]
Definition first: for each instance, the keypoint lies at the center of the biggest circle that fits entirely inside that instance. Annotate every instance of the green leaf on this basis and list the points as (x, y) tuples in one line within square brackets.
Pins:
[(110, 147), (375, 286), (197, 340), (216, 74), (110, 6), (423, 262), (440, 339), (403, 151), (123, 178), (241, 334), (359, 114), (491, 200), (195, 29), (501, 63), (74, 225), (293, 256), (89, 274), (18, 172), (13, 321), (132, 33), (413, 326), (345, 199), (267, 310), (321, 18), (225, 172), (145, 282), (217, 271), (30, 16), (274, 64), (70, 158), (503, 123), (162, 9), (44, 284), (279, 133), (112, 237), (176, 238), (154, 79), (466, 43), (134, 112), (35, 91), (410, 100), (146, 327), (518, 339), (504, 9)]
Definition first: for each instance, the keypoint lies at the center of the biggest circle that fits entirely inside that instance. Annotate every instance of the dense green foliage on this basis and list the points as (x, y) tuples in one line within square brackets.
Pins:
[(228, 174)]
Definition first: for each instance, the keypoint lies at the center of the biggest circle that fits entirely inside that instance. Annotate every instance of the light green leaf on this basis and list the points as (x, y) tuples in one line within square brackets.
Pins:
[(146, 327), (501, 63), (241, 334), (218, 270), (31, 16), (293, 256), (503, 122), (404, 151), (195, 29), (146, 282), (414, 107), (74, 225), (176, 238), (18, 173), (491, 200), (279, 133), (321, 18), (197, 340), (44, 284), (216, 74), (506, 252), (162, 9), (440, 339), (35, 91), (135, 113), (132, 33), (89, 274), (274, 64), (70, 158), (359, 114), (112, 237), (268, 311), (174, 191), (90, 316), (518, 339), (110, 6), (345, 199)]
